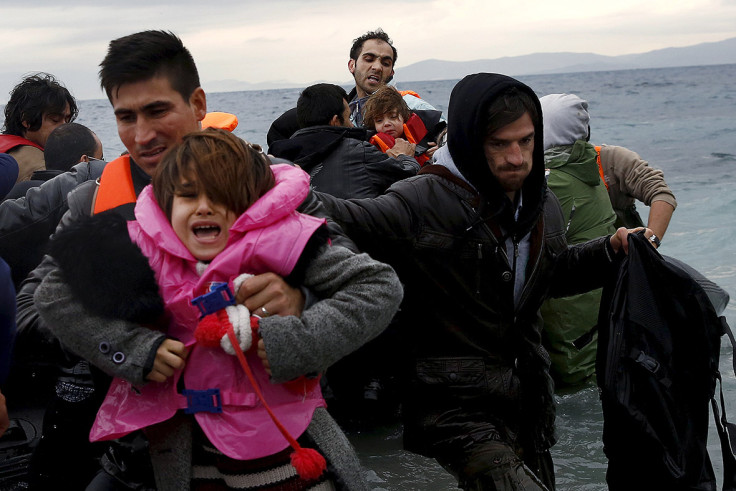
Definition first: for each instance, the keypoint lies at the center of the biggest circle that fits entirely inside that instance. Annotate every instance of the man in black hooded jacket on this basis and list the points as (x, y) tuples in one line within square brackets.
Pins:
[(479, 243)]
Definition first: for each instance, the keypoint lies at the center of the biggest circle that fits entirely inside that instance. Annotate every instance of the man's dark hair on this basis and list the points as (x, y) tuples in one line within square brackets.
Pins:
[(145, 55), (377, 34), (318, 103), (67, 144), (508, 107), (34, 96)]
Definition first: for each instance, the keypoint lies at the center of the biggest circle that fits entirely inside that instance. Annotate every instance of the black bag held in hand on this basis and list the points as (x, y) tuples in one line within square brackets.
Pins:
[(657, 370)]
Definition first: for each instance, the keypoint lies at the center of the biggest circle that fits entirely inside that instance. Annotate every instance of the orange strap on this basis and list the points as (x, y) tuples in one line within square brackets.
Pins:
[(382, 141), (116, 185), (224, 121), (414, 129), (600, 165), (409, 137)]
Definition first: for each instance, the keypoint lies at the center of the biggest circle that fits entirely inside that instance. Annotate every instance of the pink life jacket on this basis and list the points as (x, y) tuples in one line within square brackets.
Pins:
[(269, 236)]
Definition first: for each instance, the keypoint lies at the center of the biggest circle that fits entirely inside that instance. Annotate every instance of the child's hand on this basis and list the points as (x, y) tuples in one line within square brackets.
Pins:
[(264, 358), (170, 357)]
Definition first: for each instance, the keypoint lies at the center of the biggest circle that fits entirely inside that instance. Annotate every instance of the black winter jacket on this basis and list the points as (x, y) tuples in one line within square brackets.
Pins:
[(341, 162), (27, 223), (468, 344)]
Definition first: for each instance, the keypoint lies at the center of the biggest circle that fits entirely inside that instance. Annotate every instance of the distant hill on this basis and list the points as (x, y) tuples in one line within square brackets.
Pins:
[(717, 53)]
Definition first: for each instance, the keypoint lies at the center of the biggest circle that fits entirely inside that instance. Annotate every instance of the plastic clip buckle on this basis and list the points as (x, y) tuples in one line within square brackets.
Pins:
[(216, 299), (198, 401)]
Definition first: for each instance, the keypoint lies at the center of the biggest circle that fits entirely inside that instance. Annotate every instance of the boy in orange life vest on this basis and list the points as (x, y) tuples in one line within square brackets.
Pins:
[(397, 126), (215, 210)]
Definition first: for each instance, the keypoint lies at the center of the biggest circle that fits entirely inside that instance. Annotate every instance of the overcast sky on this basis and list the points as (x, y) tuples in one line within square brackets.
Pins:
[(308, 41)]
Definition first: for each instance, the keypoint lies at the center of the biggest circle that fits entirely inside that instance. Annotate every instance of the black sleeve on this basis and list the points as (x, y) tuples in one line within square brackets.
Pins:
[(313, 206)]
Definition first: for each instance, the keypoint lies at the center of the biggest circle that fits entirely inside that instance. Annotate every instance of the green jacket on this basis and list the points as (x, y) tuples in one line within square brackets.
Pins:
[(575, 180)]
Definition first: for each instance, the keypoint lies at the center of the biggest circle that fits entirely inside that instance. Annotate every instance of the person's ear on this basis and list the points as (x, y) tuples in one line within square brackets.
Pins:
[(198, 103), (335, 121), (351, 66), (84, 159)]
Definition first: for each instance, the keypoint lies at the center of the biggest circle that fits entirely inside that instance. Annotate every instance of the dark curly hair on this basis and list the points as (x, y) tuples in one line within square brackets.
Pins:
[(34, 96), (357, 46)]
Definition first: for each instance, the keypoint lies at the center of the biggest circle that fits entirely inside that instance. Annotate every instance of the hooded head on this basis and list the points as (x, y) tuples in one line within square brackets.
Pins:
[(469, 125), (566, 119)]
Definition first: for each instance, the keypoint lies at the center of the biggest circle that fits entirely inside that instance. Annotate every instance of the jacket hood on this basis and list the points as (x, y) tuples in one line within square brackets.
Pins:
[(566, 119), (467, 110), (309, 147), (292, 187), (579, 161)]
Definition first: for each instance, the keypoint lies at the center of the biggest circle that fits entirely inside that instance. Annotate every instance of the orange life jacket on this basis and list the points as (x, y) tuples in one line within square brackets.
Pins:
[(600, 166), (224, 121), (383, 141), (414, 132), (115, 185), (409, 92)]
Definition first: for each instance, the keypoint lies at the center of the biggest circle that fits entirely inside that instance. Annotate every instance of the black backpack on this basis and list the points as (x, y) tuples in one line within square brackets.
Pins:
[(657, 370)]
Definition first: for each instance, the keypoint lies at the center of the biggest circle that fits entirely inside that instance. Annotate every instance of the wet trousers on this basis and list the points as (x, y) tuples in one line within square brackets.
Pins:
[(495, 466)]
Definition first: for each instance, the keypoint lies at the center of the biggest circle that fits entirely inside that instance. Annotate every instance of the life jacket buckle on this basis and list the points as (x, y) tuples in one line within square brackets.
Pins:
[(218, 297), (198, 401)]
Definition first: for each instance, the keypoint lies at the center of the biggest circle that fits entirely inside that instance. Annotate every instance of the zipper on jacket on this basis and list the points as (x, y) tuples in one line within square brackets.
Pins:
[(515, 242), (529, 285), (569, 220)]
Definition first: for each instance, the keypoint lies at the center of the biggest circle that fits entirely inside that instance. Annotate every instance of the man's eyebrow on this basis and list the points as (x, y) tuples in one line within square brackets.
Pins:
[(156, 105), (375, 55), (499, 140), (147, 107), (122, 110)]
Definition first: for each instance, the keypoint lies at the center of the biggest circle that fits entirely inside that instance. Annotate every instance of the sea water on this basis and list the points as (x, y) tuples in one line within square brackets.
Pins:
[(682, 120)]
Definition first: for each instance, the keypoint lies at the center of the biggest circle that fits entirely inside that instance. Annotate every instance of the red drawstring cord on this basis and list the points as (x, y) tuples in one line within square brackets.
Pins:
[(309, 464)]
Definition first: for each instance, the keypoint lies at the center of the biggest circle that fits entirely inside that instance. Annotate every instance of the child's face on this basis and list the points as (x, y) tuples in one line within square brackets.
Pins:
[(201, 225), (390, 123)]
